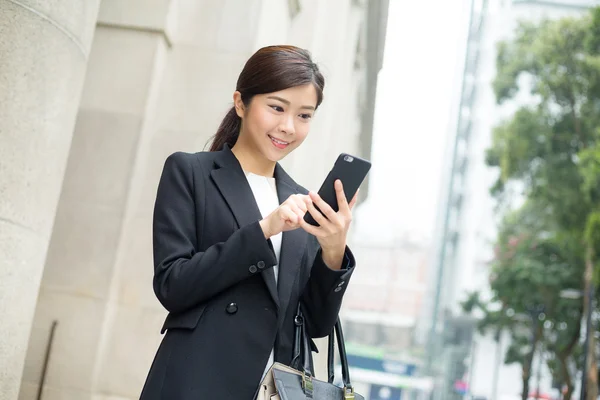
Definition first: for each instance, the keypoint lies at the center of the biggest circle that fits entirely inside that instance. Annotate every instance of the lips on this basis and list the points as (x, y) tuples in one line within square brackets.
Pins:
[(280, 144)]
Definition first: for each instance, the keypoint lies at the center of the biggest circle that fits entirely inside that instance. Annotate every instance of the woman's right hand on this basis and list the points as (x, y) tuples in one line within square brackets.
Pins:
[(286, 217)]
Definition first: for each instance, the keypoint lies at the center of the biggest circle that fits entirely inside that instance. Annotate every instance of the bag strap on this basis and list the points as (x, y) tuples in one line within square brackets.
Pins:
[(331, 357), (341, 344), (302, 355)]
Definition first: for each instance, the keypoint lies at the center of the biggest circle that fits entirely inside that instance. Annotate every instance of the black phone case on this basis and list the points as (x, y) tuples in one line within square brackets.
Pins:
[(352, 171)]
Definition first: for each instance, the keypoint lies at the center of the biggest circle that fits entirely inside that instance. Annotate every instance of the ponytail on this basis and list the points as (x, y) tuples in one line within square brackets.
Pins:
[(228, 131)]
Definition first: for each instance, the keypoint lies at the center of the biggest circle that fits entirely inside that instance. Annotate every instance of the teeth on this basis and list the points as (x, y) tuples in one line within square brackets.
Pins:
[(278, 141)]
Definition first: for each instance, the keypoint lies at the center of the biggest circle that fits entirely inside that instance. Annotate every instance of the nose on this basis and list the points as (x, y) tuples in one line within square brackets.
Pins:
[(287, 124)]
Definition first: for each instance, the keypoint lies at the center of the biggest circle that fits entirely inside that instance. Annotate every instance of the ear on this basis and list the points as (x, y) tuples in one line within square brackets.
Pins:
[(238, 104)]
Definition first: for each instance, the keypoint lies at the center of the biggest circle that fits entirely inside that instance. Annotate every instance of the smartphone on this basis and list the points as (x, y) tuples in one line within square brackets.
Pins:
[(352, 171)]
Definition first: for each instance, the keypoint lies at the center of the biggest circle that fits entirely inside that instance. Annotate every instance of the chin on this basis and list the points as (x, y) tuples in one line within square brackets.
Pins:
[(276, 155)]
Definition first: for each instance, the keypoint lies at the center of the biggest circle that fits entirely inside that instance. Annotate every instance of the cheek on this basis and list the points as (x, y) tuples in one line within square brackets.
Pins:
[(263, 122)]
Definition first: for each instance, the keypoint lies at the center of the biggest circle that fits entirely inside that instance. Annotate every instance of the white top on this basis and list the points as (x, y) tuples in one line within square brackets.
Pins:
[(265, 194)]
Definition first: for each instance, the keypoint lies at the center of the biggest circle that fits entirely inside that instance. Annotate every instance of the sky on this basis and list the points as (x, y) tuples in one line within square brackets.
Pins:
[(417, 88)]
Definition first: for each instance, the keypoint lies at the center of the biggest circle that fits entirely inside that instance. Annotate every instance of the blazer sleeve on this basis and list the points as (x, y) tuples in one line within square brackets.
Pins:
[(322, 296), (183, 276)]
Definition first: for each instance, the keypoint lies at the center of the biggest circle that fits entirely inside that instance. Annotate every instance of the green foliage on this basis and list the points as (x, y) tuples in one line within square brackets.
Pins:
[(518, 350), (551, 148), (589, 168), (533, 264), (541, 145), (592, 43)]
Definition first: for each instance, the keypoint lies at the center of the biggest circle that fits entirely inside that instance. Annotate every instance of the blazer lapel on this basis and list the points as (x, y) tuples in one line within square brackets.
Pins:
[(293, 244), (234, 187)]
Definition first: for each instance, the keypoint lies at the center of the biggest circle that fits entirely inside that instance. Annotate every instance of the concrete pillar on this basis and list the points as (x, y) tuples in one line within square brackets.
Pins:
[(44, 49), (119, 99)]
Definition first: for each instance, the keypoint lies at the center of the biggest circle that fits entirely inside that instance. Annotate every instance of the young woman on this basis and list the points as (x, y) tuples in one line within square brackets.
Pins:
[(233, 255)]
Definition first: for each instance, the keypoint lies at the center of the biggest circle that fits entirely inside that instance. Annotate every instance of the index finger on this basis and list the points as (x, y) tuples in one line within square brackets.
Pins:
[(341, 197), (298, 200)]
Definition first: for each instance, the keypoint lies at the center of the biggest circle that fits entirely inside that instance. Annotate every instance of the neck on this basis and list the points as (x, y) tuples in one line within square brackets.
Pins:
[(251, 160)]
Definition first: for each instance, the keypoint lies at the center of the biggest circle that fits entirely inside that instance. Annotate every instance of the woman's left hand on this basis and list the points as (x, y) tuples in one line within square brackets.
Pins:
[(333, 226)]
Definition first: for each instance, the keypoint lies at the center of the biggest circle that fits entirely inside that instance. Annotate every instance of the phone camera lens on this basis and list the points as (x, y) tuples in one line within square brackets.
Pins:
[(348, 158)]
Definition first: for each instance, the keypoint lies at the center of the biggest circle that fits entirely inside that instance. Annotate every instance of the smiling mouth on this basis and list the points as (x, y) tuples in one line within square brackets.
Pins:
[(280, 144)]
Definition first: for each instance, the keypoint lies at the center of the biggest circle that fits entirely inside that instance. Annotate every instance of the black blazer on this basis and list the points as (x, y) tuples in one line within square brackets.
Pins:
[(213, 273)]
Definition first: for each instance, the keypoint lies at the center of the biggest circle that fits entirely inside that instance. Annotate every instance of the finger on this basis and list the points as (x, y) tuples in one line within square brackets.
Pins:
[(325, 208), (311, 229), (299, 201), (296, 209), (354, 199), (289, 215), (341, 197), (316, 214)]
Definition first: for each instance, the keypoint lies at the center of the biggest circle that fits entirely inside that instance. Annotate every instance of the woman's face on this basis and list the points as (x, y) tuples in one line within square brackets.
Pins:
[(274, 124)]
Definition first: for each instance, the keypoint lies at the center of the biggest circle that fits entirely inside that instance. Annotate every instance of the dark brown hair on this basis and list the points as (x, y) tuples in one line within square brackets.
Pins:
[(270, 69)]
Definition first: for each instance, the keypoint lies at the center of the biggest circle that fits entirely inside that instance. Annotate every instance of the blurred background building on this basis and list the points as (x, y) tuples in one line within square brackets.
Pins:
[(380, 313), (463, 361), (94, 95)]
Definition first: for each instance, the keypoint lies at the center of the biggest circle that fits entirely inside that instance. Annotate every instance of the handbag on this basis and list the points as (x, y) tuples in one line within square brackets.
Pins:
[(297, 381)]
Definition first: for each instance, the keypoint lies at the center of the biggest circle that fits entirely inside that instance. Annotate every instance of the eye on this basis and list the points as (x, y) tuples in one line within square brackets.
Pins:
[(305, 117), (277, 108)]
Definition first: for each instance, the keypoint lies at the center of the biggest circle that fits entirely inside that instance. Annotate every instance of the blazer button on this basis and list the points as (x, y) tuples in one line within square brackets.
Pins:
[(261, 264), (337, 289), (252, 269), (231, 308)]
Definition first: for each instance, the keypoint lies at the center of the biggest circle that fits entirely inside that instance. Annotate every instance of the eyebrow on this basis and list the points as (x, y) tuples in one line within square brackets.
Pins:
[(286, 102)]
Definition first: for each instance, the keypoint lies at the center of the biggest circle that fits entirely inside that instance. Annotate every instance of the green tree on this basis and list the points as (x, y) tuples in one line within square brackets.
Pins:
[(532, 265), (552, 147)]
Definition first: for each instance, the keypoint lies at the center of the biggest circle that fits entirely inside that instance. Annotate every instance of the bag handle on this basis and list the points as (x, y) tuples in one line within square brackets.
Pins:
[(331, 357), (337, 330), (302, 356), (302, 353), (339, 334)]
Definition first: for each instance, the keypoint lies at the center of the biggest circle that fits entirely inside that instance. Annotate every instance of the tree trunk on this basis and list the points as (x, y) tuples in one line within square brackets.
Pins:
[(527, 367), (539, 373), (592, 368), (563, 357), (567, 378), (592, 392), (525, 378)]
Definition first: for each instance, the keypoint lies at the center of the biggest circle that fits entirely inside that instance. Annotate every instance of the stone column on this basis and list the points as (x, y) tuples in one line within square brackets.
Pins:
[(119, 98), (44, 48)]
